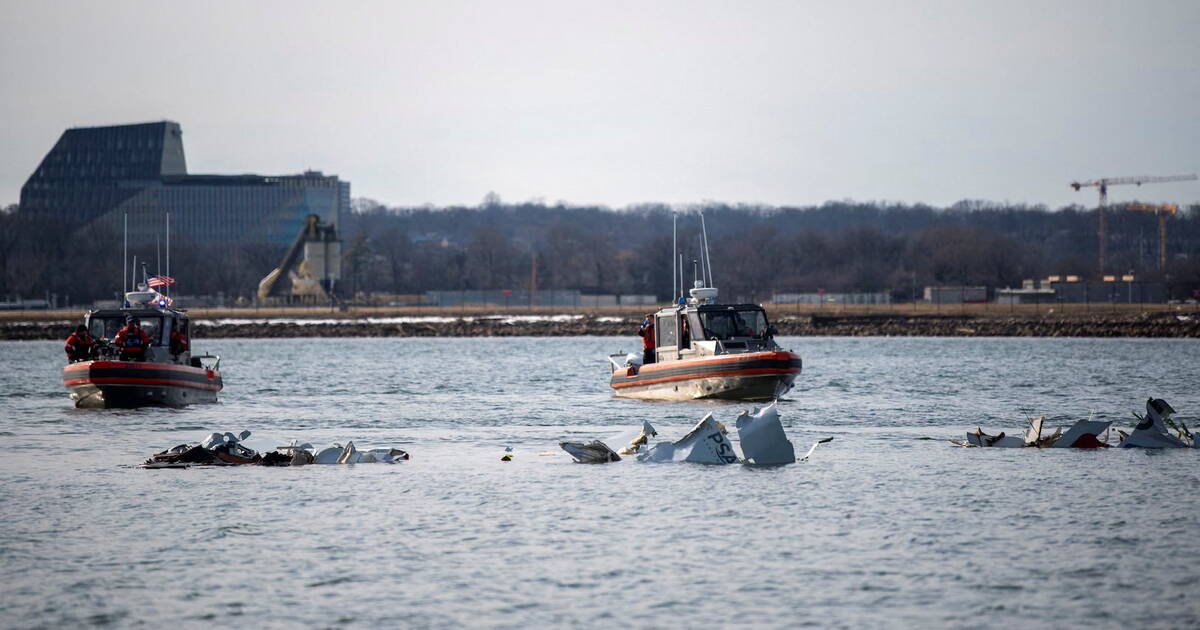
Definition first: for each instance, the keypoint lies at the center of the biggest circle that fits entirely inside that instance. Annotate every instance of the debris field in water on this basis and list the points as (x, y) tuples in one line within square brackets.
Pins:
[(226, 449), (1151, 431), (760, 432)]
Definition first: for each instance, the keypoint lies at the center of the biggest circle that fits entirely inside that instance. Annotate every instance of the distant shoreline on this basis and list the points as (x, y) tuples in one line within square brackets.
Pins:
[(1162, 324)]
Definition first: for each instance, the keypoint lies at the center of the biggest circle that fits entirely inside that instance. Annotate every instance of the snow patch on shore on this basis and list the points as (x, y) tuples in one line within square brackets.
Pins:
[(503, 319)]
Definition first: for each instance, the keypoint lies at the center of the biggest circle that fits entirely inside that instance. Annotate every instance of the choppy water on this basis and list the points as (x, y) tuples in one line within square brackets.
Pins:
[(883, 528)]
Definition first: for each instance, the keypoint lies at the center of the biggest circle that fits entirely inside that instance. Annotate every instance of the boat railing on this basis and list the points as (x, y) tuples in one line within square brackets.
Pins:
[(105, 350), (207, 361), (622, 360)]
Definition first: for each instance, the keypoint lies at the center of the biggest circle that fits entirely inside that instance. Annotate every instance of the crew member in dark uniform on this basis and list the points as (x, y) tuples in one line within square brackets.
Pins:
[(647, 334), (132, 341), (79, 345)]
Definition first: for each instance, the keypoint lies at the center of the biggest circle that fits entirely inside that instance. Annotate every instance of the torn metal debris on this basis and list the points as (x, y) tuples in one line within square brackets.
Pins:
[(760, 436), (226, 449), (1153, 430)]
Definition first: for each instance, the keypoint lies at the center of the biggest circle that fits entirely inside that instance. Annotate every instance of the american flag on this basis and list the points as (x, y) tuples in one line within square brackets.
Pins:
[(163, 299), (160, 281)]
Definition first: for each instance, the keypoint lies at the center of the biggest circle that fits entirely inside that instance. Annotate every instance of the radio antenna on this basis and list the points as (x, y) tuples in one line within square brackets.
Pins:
[(674, 247), (707, 258), (168, 287), (681, 275), (125, 260)]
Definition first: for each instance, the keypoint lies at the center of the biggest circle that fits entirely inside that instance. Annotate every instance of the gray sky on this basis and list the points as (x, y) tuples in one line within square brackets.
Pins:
[(617, 103)]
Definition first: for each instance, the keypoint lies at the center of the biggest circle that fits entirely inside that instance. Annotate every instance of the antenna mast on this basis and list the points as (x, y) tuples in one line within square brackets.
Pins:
[(681, 275), (125, 260), (707, 258), (674, 246), (168, 287)]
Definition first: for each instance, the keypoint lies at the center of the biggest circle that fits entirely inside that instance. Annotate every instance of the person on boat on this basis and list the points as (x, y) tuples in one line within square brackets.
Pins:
[(646, 332), (79, 345), (744, 328), (132, 341), (179, 341)]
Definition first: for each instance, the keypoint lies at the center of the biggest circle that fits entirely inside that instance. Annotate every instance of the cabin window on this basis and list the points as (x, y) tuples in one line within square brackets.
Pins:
[(695, 329), (153, 328), (108, 327), (730, 324), (664, 328)]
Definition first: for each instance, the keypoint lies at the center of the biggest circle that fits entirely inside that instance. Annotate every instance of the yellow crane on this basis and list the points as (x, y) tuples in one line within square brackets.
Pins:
[(1103, 184), (1160, 210)]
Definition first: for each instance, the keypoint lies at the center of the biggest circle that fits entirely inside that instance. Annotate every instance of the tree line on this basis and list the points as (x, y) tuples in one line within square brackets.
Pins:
[(841, 246)]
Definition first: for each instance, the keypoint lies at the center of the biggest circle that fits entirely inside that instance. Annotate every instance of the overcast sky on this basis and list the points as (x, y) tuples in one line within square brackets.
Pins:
[(617, 103)]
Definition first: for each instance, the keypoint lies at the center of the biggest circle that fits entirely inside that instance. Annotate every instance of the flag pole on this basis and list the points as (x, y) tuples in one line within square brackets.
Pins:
[(168, 251), (125, 261)]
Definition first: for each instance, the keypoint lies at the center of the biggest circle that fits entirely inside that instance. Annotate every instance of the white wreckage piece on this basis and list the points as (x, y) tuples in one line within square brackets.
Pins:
[(1151, 430), (1082, 434), (227, 449), (704, 444), (349, 454), (599, 451), (763, 441), (218, 439)]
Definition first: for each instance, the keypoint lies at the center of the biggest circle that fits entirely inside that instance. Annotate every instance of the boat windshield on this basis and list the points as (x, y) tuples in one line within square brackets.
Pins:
[(730, 324), (107, 327)]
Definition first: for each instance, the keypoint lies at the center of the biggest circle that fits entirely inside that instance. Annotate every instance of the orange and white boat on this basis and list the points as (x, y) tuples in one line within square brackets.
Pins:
[(164, 378), (708, 350)]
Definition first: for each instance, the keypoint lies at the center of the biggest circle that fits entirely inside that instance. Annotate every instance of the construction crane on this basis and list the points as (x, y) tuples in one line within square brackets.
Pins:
[(1104, 183), (1160, 210)]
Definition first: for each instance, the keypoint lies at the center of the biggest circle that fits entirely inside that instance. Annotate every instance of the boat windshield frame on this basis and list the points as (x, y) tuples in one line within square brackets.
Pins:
[(104, 324), (725, 322)]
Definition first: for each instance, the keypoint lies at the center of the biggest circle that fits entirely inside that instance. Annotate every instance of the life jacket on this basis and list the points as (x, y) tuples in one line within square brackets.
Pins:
[(77, 345), (132, 339), (179, 343), (647, 333)]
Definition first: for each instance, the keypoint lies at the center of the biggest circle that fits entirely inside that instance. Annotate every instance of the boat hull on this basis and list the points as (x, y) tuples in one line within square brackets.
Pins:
[(127, 384), (756, 376)]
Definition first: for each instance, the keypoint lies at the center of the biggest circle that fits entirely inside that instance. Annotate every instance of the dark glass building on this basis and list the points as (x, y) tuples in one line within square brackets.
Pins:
[(103, 174)]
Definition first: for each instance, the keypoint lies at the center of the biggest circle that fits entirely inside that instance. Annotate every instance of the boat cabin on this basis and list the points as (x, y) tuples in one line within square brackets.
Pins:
[(156, 319), (696, 330)]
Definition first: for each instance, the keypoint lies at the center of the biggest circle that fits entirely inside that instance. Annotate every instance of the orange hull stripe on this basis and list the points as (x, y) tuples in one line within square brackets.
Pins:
[(139, 381), (131, 365), (716, 361), (688, 377)]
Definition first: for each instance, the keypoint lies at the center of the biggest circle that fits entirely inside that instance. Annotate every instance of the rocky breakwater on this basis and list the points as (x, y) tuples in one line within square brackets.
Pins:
[(555, 326), (1161, 324)]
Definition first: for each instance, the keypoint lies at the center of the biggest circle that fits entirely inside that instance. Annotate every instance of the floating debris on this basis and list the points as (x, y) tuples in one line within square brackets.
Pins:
[(594, 452), (760, 432), (226, 449), (599, 451), (704, 444), (762, 437), (1151, 430), (508, 454), (1082, 434), (814, 447)]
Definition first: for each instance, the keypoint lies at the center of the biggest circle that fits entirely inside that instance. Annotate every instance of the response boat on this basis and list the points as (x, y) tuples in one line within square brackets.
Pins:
[(163, 379), (708, 350)]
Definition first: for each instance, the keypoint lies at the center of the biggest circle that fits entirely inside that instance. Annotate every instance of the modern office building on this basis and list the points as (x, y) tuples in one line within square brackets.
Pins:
[(101, 175)]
